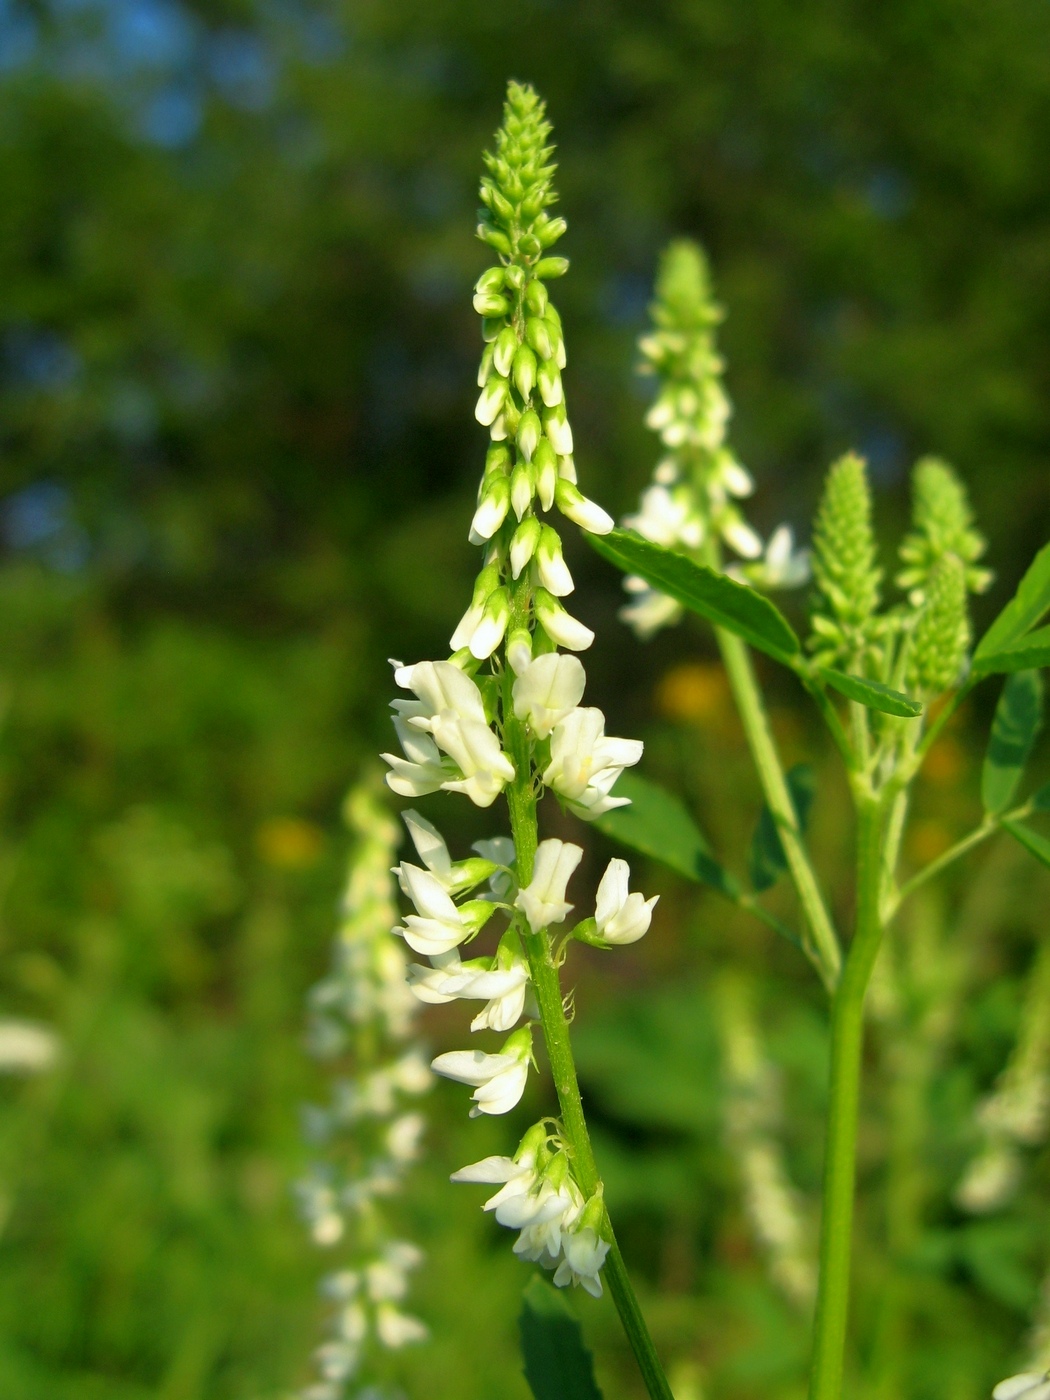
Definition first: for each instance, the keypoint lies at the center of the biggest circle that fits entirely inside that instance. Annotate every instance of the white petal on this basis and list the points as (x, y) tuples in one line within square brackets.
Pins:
[(612, 892), (488, 1170)]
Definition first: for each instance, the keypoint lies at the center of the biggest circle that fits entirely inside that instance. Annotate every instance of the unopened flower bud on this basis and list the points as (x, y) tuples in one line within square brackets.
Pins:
[(567, 469), (491, 511), (490, 304), (549, 380), (489, 632), (547, 480), (536, 297), (529, 433), (515, 276), (551, 267), (491, 401), (495, 238), (485, 368), (559, 625), (587, 514), (521, 488), (538, 335), (548, 231), (497, 459), (503, 351), (523, 545), (524, 371), (519, 650), (491, 280), (556, 424), (550, 564)]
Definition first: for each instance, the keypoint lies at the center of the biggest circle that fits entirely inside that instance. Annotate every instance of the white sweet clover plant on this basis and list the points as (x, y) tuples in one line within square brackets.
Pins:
[(361, 1019), (503, 717)]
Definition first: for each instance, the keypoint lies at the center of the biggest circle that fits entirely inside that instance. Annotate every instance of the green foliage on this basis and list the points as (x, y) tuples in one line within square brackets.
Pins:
[(557, 1364), (712, 595), (1022, 613), (766, 861), (845, 565), (942, 629), (1018, 719), (657, 824), (873, 694)]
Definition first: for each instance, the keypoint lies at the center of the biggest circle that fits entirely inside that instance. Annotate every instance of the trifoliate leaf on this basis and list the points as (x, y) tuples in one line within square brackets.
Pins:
[(1031, 650), (873, 694), (1018, 719), (766, 859), (658, 825), (731, 605), (557, 1364)]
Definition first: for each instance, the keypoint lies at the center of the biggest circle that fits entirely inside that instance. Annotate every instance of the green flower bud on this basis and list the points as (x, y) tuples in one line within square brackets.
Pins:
[(523, 544), (538, 335), (536, 297), (491, 401), (524, 372), (485, 368), (491, 327), (504, 350), (497, 459), (556, 426), (490, 304), (491, 280), (494, 237), (943, 524), (515, 276), (548, 231), (844, 557), (942, 630), (551, 267)]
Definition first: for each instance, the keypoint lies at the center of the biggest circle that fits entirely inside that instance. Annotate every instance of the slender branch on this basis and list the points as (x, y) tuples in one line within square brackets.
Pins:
[(547, 986), (822, 945), (988, 827), (847, 1040)]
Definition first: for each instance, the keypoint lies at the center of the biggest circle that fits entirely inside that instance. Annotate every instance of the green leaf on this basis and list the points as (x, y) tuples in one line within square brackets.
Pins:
[(557, 1364), (658, 824), (1018, 719), (766, 860), (872, 693), (722, 601), (1037, 845), (1033, 650), (1023, 611), (1041, 798)]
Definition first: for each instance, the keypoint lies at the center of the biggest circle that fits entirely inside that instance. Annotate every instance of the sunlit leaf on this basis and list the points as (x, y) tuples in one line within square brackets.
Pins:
[(1032, 650), (557, 1364), (1018, 719), (873, 694), (658, 824), (766, 859), (1022, 612), (1037, 845), (702, 590)]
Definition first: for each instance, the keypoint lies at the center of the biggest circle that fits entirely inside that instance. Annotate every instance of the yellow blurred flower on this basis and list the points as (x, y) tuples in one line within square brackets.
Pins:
[(945, 762), (695, 691), (289, 843), (928, 840)]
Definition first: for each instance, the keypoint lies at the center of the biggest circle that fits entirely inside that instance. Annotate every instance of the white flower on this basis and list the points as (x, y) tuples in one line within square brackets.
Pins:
[(548, 688), (499, 1080), (737, 533), (500, 851), (26, 1047), (475, 750), (403, 1137), (648, 610), (441, 689), (584, 1254), (430, 846), (483, 979), (482, 626), (336, 1360), (496, 1169), (397, 1329), (543, 898), (421, 770), (437, 926), (562, 628), (621, 917), (1027, 1386), (585, 763), (781, 565), (491, 512), (668, 518)]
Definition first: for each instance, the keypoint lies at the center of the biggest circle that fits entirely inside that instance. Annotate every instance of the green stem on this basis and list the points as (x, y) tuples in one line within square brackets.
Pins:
[(988, 827), (547, 987), (847, 1041), (822, 944)]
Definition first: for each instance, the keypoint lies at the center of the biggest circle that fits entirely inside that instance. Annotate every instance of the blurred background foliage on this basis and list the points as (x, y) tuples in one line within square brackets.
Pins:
[(237, 459)]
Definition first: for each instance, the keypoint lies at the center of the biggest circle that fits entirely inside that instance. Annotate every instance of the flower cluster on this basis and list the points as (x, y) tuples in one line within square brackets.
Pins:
[(1030, 1385), (503, 715), (693, 501), (368, 1136)]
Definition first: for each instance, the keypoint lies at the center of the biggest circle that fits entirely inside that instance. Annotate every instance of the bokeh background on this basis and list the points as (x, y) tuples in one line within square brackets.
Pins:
[(237, 462)]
